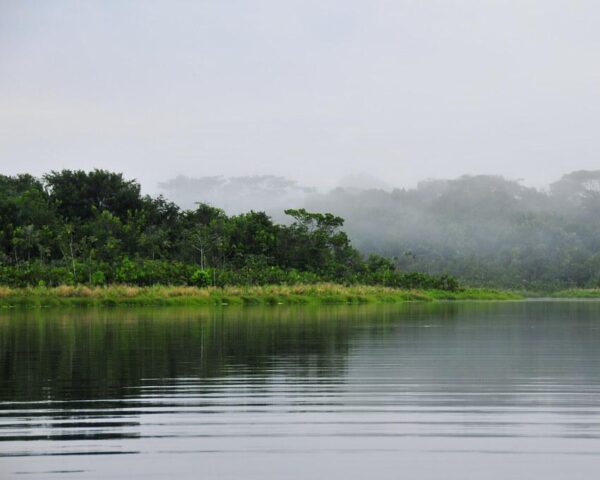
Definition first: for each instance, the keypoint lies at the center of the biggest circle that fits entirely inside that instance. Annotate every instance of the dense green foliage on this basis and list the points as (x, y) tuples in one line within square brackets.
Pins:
[(96, 228), (485, 230)]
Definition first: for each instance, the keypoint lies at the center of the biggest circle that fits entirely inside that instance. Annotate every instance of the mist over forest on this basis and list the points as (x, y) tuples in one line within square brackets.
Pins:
[(236, 195), (487, 230)]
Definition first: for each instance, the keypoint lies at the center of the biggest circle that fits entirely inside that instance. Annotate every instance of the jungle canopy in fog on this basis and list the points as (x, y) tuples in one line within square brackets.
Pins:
[(487, 230)]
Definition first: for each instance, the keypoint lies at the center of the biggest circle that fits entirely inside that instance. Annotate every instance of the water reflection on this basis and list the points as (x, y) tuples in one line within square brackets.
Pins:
[(219, 388)]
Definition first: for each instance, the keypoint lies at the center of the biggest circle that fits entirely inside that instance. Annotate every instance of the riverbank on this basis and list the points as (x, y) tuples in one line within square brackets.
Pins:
[(325, 293), (578, 293)]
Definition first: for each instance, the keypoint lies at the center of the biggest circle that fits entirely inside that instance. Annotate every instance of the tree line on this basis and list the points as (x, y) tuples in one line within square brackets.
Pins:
[(485, 230), (97, 228)]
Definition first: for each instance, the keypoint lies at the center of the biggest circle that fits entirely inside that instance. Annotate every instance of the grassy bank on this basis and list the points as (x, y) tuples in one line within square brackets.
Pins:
[(578, 293), (277, 294)]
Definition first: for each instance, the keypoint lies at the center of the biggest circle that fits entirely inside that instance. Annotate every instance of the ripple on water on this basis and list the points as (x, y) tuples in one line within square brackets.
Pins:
[(421, 391)]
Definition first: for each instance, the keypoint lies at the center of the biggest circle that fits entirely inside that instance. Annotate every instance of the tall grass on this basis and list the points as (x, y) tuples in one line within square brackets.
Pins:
[(578, 293), (323, 293)]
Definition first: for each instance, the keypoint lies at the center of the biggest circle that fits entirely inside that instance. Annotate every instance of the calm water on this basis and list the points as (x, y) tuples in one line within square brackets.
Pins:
[(446, 391)]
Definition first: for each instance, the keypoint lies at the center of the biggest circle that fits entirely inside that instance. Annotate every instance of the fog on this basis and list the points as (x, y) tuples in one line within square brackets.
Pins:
[(310, 90), (236, 195), (485, 229)]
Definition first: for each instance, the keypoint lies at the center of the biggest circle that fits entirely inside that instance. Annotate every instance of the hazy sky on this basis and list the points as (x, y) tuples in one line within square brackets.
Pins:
[(314, 90)]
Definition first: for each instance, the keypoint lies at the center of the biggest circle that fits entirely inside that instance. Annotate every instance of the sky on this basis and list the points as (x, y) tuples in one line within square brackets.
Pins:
[(401, 90)]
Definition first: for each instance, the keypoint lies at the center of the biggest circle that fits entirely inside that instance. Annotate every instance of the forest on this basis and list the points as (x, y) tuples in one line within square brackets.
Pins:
[(486, 230), (96, 228)]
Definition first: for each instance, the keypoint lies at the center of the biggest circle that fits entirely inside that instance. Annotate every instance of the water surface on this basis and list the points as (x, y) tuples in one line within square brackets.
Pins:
[(423, 391)]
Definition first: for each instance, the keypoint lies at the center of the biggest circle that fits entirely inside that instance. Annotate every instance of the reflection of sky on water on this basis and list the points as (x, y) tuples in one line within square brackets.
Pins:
[(327, 391)]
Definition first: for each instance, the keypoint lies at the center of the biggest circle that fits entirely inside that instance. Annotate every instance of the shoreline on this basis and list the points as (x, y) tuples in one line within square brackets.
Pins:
[(317, 294), (577, 293)]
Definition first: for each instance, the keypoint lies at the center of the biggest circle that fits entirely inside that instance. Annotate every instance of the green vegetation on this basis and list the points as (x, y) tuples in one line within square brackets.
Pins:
[(578, 293), (485, 230), (96, 229), (82, 295)]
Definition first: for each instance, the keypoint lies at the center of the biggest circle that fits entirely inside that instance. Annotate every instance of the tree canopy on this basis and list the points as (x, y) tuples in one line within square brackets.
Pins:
[(486, 230), (96, 227)]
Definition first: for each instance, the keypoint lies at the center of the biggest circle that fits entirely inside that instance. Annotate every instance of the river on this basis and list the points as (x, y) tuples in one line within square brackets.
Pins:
[(463, 390)]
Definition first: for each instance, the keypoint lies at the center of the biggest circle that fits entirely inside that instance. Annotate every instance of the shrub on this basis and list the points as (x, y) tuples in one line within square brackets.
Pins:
[(200, 278)]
